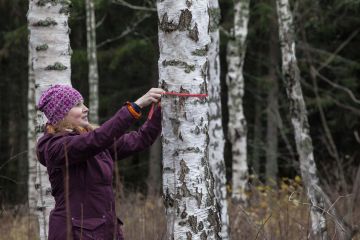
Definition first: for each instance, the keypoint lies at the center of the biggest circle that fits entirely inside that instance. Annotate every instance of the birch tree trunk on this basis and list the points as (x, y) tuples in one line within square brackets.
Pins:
[(188, 185), (235, 82), (31, 135), (299, 120), (216, 134), (92, 60), (50, 63)]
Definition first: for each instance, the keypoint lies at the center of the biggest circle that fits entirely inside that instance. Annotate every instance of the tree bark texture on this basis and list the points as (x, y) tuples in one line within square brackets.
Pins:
[(235, 82), (216, 134), (50, 62), (299, 120), (92, 61), (31, 137), (188, 185)]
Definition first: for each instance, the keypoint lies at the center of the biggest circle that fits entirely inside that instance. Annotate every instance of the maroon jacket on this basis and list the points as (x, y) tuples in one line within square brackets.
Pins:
[(90, 156)]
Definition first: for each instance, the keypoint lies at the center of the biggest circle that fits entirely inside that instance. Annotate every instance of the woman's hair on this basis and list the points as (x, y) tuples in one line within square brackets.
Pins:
[(64, 126)]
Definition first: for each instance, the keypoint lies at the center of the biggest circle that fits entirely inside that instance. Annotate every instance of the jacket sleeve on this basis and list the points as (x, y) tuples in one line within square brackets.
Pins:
[(79, 148), (136, 141)]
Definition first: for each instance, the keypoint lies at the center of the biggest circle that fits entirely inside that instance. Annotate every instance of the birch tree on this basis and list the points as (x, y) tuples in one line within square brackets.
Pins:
[(291, 74), (50, 52), (235, 82), (31, 137), (92, 61), (216, 135), (183, 68)]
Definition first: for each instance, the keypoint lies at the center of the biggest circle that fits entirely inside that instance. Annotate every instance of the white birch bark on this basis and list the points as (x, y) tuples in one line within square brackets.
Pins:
[(299, 120), (216, 134), (235, 82), (50, 62), (183, 67), (92, 60), (31, 137)]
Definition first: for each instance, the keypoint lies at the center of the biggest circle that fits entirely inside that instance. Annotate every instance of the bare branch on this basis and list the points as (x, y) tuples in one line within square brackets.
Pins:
[(333, 56), (98, 24), (126, 4), (127, 31), (335, 85), (226, 32)]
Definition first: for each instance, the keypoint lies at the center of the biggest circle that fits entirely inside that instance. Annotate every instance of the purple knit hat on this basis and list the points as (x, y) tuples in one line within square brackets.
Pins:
[(57, 101)]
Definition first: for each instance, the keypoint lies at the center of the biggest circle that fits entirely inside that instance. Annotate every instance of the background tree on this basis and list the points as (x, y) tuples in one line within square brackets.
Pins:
[(298, 113), (92, 59), (237, 129), (216, 134)]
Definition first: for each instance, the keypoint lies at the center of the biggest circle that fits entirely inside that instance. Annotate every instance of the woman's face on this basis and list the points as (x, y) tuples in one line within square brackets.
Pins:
[(78, 115)]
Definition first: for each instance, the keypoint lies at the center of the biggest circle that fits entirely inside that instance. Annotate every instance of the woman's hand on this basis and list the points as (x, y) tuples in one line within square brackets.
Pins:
[(152, 96)]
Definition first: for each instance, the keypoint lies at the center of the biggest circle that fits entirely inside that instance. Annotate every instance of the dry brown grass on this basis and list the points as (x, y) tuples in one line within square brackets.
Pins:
[(281, 214)]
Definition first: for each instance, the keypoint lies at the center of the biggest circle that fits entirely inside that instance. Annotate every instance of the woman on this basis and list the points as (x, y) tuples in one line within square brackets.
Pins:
[(69, 138)]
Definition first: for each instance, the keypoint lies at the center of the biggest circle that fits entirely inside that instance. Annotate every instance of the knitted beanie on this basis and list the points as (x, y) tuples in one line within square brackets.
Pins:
[(57, 101)]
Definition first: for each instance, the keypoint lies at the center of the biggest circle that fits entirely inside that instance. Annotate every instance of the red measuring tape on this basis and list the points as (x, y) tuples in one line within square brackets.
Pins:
[(175, 94)]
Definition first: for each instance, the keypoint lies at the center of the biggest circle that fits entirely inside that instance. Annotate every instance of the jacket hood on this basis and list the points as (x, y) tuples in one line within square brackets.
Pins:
[(41, 148)]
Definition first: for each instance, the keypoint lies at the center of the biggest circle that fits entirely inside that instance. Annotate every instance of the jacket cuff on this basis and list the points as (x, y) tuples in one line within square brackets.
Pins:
[(134, 110)]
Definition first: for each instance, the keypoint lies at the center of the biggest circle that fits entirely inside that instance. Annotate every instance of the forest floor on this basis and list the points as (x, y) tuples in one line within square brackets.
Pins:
[(279, 214)]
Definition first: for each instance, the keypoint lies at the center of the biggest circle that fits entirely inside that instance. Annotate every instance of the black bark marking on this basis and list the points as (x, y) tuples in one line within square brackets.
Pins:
[(203, 235), (201, 226), (183, 170), (188, 236), (201, 51), (192, 220), (42, 47), (185, 20), (213, 219), (167, 26), (168, 200), (45, 23), (188, 3), (188, 68), (56, 67), (175, 125), (194, 33)]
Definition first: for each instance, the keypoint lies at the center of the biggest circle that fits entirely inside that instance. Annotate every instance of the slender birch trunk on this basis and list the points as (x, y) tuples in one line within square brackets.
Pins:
[(216, 134), (235, 82), (299, 120), (188, 185), (92, 60), (50, 63), (31, 135)]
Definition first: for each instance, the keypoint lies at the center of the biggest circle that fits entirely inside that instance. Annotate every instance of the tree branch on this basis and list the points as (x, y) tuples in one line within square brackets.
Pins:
[(127, 31), (134, 7)]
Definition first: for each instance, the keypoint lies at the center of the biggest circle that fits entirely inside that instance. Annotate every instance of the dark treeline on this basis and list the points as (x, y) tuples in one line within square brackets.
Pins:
[(327, 36)]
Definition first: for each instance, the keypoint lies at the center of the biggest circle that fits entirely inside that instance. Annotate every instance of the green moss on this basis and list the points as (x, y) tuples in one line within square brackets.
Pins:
[(215, 16), (57, 67)]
